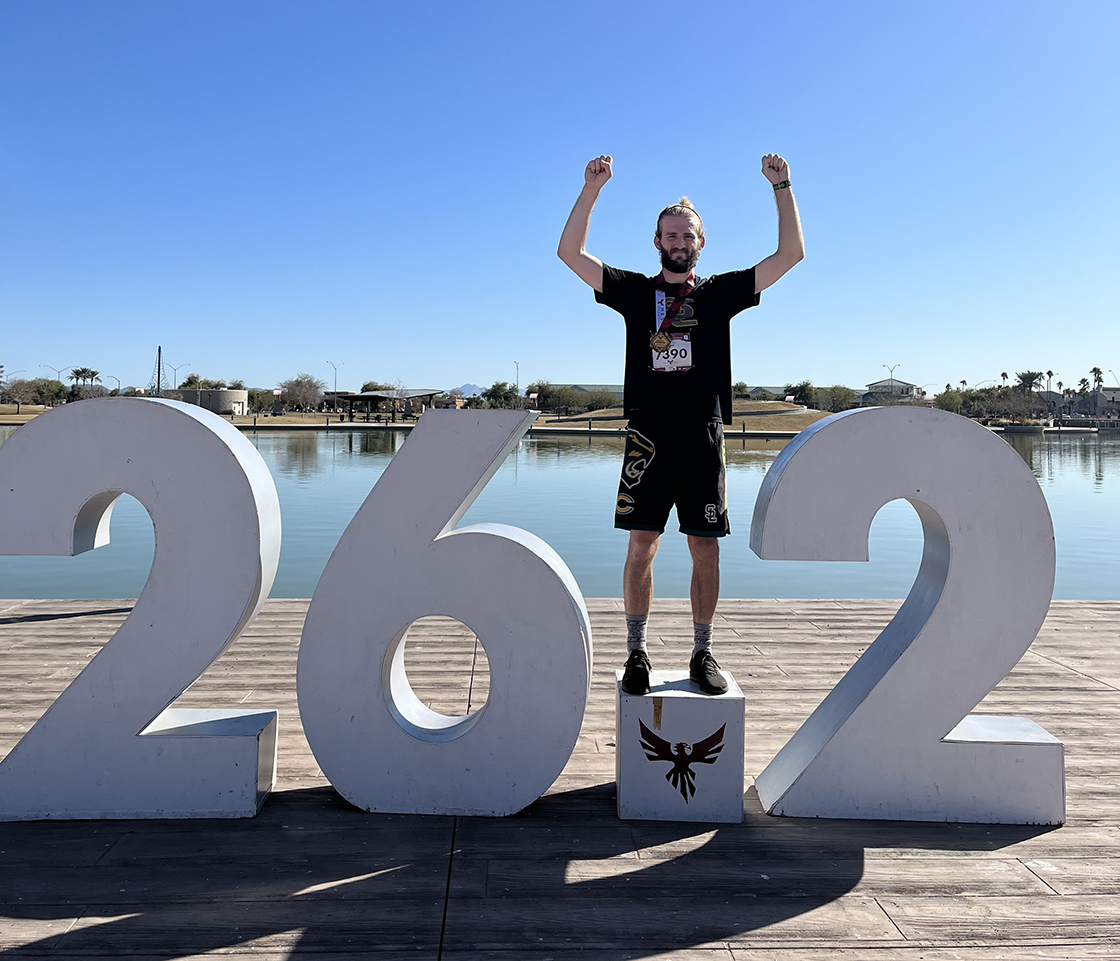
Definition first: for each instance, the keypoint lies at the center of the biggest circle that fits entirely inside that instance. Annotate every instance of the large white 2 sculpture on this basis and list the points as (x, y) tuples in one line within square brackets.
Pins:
[(107, 748), (891, 740), (401, 559)]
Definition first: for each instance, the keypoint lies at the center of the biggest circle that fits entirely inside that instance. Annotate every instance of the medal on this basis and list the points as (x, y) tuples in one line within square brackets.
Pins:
[(660, 342)]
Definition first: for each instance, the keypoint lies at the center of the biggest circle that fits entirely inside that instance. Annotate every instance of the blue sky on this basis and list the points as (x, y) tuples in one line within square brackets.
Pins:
[(263, 187)]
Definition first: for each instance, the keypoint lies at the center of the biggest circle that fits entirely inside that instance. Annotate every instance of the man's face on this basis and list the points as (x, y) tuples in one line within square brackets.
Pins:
[(679, 243)]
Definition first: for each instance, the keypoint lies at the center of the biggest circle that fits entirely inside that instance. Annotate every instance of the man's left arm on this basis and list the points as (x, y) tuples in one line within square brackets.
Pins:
[(791, 245)]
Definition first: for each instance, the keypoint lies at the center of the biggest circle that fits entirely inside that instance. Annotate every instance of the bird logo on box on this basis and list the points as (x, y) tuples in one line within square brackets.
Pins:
[(682, 756)]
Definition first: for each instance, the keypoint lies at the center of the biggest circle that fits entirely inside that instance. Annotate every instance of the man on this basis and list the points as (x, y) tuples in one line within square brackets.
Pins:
[(677, 398)]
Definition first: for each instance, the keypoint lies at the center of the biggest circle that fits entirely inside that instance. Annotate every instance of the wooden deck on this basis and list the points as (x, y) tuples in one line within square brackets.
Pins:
[(312, 876)]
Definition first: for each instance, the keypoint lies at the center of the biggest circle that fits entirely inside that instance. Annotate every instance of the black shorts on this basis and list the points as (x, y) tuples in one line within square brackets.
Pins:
[(666, 465)]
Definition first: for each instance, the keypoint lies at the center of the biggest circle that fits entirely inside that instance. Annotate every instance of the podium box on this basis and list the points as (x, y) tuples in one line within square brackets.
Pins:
[(696, 744)]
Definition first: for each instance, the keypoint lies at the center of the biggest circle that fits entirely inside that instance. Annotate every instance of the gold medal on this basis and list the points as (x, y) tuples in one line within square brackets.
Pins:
[(660, 342)]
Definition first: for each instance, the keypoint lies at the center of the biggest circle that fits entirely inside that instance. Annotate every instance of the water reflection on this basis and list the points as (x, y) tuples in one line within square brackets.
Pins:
[(296, 454), (1094, 456), (563, 489)]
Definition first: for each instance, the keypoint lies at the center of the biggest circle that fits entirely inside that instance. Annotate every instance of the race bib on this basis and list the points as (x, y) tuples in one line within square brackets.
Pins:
[(677, 355)]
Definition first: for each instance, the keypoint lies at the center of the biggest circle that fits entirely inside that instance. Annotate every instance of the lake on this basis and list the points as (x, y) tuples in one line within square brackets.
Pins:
[(562, 489)]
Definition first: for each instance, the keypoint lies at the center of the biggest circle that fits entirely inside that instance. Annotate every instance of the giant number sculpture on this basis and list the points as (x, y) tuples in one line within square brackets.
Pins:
[(891, 740), (401, 559), (107, 748)]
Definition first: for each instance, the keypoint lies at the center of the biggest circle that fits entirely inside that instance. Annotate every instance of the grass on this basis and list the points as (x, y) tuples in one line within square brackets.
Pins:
[(9, 417)]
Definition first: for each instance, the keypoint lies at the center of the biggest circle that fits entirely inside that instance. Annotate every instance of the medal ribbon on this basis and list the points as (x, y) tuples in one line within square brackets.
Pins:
[(674, 308)]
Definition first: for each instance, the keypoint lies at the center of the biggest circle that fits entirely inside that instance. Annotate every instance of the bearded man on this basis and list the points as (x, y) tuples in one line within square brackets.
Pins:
[(677, 397)]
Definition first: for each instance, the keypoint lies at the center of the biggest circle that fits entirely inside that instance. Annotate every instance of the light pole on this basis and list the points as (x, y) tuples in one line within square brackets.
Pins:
[(57, 370), (1111, 371), (117, 379), (6, 376), (336, 366), (890, 382), (174, 374)]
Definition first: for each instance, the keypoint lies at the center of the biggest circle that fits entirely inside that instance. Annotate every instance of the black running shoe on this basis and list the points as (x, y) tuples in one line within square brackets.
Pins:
[(704, 672), (635, 679)]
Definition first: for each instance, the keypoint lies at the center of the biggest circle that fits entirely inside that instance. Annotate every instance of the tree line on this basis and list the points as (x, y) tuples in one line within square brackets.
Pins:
[(1019, 401)]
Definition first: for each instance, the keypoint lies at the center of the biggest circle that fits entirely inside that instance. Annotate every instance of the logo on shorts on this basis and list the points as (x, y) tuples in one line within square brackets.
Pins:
[(711, 513), (639, 455), (624, 504)]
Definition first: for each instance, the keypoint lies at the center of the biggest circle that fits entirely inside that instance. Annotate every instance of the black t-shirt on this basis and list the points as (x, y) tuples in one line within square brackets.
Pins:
[(703, 392)]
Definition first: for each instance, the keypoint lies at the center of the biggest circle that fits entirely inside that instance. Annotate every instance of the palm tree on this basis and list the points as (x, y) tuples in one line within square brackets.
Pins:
[(1028, 380), (964, 384), (77, 374), (1098, 378), (92, 375), (1083, 386)]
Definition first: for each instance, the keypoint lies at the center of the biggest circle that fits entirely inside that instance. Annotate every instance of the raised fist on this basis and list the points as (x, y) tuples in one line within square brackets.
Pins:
[(774, 168), (598, 171)]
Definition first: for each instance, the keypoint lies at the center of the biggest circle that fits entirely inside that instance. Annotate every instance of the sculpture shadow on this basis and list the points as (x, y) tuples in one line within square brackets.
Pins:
[(313, 875), (61, 615)]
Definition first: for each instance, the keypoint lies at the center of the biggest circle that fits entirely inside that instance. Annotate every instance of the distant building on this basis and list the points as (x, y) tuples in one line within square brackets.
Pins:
[(1095, 403), (764, 392), (404, 400), (892, 387), (218, 401), (1053, 400)]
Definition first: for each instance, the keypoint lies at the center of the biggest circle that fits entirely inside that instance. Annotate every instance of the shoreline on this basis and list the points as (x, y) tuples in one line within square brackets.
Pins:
[(573, 430)]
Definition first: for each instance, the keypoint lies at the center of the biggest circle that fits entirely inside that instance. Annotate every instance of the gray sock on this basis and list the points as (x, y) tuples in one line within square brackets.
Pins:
[(636, 632), (702, 637)]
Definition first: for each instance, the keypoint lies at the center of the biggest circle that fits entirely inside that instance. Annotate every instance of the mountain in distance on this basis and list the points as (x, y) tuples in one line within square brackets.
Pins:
[(470, 390)]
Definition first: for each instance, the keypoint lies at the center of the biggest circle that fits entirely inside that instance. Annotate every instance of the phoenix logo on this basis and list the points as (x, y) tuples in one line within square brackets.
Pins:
[(682, 757)]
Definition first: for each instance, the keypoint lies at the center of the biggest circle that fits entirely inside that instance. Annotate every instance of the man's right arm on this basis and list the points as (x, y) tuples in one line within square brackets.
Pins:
[(574, 238)]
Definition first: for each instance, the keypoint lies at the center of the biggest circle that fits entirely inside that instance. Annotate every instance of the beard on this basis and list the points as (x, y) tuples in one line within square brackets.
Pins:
[(682, 263)]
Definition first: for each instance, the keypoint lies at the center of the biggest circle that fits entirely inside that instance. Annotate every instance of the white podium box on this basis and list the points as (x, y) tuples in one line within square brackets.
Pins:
[(679, 753)]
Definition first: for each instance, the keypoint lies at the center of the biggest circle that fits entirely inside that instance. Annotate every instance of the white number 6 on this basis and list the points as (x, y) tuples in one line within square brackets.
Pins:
[(889, 740), (401, 559)]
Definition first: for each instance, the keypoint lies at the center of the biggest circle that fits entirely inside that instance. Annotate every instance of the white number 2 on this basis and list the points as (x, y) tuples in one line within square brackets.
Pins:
[(401, 559), (891, 740), (107, 748)]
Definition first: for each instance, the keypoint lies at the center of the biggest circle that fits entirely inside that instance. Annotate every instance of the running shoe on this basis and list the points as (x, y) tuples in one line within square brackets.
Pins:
[(635, 678), (704, 672)]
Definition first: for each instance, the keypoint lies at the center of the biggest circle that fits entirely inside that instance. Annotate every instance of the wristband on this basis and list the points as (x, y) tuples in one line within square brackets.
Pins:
[(782, 185)]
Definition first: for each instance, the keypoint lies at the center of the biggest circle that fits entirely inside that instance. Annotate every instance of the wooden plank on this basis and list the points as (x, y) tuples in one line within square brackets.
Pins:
[(1048, 950), (312, 874), (1099, 875), (775, 877), (713, 920), (948, 919)]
